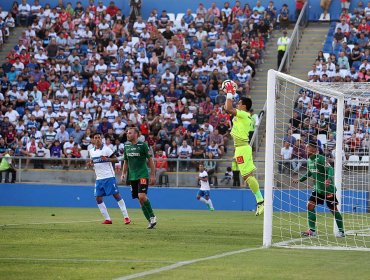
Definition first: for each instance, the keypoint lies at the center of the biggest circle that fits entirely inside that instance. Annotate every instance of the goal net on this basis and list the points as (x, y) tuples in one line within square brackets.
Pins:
[(322, 128)]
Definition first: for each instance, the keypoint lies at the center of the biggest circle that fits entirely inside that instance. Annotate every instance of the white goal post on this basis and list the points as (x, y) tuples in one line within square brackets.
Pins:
[(336, 116)]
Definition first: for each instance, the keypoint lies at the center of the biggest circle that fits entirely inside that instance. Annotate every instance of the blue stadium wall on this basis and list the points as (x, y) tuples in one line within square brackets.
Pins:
[(165, 198), (177, 6)]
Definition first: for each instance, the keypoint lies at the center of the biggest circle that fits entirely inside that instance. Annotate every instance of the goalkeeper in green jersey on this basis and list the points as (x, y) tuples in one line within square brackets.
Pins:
[(324, 190), (242, 125)]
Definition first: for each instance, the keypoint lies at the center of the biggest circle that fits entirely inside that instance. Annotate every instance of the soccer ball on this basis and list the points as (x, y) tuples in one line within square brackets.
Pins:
[(229, 86)]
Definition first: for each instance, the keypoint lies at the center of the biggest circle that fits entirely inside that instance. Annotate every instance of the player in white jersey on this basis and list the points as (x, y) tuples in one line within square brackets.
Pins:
[(204, 191), (102, 157)]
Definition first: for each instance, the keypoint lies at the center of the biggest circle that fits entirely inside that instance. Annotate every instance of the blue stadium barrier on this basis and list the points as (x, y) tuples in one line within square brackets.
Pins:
[(166, 198)]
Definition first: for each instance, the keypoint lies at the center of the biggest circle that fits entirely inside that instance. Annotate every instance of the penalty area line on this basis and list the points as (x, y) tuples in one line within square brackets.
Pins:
[(82, 260), (184, 263), (49, 223)]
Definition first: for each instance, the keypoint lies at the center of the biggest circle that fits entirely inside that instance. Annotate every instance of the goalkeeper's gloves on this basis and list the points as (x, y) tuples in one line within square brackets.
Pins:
[(231, 96), (229, 87)]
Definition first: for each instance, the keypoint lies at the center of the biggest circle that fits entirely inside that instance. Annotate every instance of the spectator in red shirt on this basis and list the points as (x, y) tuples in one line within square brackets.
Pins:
[(298, 7), (43, 85), (112, 9), (161, 164), (63, 15), (144, 128)]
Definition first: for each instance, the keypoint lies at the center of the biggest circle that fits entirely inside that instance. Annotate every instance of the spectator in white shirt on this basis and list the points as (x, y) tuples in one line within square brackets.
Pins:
[(101, 68), (170, 50), (286, 154), (111, 115), (186, 117), (184, 152), (24, 11), (12, 115), (112, 49), (39, 115), (139, 26)]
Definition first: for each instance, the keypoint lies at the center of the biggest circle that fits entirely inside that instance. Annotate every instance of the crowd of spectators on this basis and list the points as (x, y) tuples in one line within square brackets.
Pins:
[(315, 115), (349, 60), (76, 70)]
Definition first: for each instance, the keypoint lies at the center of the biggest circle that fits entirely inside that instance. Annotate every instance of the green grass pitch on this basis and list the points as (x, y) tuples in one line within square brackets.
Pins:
[(70, 243)]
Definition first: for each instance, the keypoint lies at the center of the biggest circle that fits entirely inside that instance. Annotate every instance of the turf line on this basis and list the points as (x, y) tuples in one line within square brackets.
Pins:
[(49, 223), (82, 260), (184, 263)]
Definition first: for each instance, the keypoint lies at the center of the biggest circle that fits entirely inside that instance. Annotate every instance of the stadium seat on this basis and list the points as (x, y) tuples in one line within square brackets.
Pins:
[(84, 154), (134, 40), (322, 138), (212, 94), (322, 18), (352, 128), (353, 161), (356, 64), (343, 72), (163, 180), (171, 16), (297, 136), (179, 17), (365, 161), (351, 46), (70, 130), (4, 14), (213, 180), (194, 15), (326, 56), (47, 153)]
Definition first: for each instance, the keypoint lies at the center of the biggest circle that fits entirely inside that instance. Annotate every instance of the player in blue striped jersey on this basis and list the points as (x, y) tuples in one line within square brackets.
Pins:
[(101, 158)]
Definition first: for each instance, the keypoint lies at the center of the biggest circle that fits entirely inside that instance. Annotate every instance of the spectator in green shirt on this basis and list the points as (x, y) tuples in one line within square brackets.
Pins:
[(7, 167)]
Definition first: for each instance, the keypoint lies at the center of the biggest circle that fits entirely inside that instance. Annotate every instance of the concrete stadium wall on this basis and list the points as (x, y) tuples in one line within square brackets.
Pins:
[(86, 177), (181, 6), (165, 198)]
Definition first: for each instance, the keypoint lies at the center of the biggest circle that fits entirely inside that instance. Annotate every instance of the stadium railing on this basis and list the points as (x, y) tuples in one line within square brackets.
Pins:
[(285, 64)]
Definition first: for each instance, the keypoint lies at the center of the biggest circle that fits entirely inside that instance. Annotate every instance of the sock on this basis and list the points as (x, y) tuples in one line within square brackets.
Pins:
[(312, 219), (104, 211), (255, 188), (122, 206), (146, 214), (202, 199), (149, 208), (339, 221), (209, 202)]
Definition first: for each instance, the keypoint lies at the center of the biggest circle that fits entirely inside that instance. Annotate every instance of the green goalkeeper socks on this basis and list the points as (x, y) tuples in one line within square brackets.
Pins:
[(145, 211), (149, 209), (312, 220), (339, 221), (255, 188)]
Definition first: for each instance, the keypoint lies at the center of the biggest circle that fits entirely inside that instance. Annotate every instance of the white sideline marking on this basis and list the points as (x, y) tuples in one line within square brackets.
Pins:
[(183, 263), (83, 260), (50, 223)]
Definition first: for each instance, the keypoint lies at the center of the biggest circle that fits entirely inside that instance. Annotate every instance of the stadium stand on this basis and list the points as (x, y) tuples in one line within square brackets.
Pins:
[(76, 70), (344, 58)]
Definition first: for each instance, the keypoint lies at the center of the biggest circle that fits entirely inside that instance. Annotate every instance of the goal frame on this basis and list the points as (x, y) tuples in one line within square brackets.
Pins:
[(272, 95)]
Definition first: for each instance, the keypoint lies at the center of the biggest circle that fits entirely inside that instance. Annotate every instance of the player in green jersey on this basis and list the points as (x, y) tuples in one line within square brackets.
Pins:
[(137, 159), (323, 190), (242, 125)]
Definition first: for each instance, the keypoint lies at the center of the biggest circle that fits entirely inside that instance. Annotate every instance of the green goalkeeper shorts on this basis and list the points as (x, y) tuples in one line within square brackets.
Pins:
[(244, 158)]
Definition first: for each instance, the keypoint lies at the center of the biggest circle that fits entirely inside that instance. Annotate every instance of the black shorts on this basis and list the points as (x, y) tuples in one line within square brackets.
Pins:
[(318, 199), (139, 186)]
